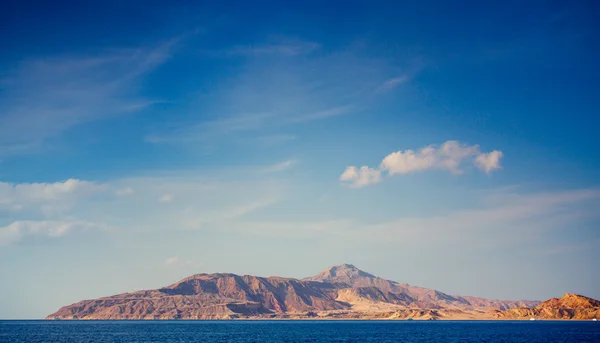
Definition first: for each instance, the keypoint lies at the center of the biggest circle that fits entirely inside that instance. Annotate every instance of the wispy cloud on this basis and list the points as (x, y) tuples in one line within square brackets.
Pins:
[(275, 139), (265, 98), (19, 230), (278, 167), (176, 200), (43, 196), (177, 262), (46, 97), (171, 260), (210, 131), (124, 191), (341, 228), (327, 113), (499, 219), (166, 198), (590, 245), (449, 156), (393, 83), (192, 218), (244, 209), (281, 47)]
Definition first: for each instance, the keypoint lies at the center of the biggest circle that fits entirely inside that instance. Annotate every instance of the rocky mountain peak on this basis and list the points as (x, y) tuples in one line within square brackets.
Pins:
[(343, 273), (569, 301), (347, 269)]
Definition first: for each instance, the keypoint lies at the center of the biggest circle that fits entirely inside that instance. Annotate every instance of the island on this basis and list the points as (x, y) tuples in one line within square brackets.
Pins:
[(339, 292)]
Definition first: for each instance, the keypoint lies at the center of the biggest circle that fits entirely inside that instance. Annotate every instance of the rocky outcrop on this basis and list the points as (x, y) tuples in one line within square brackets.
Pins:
[(570, 301), (570, 306), (339, 292)]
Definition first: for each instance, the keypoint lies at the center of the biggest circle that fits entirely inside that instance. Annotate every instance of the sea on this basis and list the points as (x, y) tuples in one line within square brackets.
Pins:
[(299, 331)]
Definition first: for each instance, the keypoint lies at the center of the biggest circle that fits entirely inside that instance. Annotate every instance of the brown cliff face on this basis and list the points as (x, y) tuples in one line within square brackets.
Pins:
[(338, 292), (570, 306), (569, 301), (210, 296), (274, 293)]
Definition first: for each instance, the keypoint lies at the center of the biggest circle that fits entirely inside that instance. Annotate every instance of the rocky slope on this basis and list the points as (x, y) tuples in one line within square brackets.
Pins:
[(378, 289), (570, 306), (339, 292)]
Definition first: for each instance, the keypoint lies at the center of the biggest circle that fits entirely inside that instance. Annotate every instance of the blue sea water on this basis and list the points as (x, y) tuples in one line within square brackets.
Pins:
[(298, 331)]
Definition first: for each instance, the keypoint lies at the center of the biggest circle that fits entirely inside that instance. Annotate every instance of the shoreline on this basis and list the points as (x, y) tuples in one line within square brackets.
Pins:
[(307, 320)]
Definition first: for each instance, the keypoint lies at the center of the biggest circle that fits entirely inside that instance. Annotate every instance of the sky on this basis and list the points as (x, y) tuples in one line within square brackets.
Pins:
[(449, 145)]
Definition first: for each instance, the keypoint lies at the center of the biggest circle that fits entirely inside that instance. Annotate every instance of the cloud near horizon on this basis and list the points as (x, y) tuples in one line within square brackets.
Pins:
[(177, 200), (21, 196), (449, 156), (166, 198), (498, 213), (18, 230)]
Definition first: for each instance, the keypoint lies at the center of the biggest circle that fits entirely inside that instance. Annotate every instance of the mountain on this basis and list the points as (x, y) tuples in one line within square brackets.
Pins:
[(342, 291), (207, 296), (347, 274), (404, 294), (570, 306), (570, 301)]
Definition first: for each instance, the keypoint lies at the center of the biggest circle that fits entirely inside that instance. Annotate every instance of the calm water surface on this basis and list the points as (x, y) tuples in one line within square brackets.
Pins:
[(297, 331)]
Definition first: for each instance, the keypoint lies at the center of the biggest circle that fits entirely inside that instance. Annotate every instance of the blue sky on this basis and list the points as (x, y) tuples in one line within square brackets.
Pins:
[(447, 145)]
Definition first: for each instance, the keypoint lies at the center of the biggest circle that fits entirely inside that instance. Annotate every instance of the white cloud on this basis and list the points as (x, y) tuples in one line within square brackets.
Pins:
[(361, 176), (18, 230), (490, 161), (203, 198), (166, 198), (124, 191), (63, 194), (449, 156), (49, 191)]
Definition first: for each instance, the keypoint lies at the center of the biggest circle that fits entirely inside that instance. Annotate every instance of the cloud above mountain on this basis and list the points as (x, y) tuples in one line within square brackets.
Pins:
[(450, 156), (19, 230)]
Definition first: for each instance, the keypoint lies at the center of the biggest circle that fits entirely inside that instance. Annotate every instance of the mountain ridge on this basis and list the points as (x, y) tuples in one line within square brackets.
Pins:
[(570, 306), (338, 292)]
